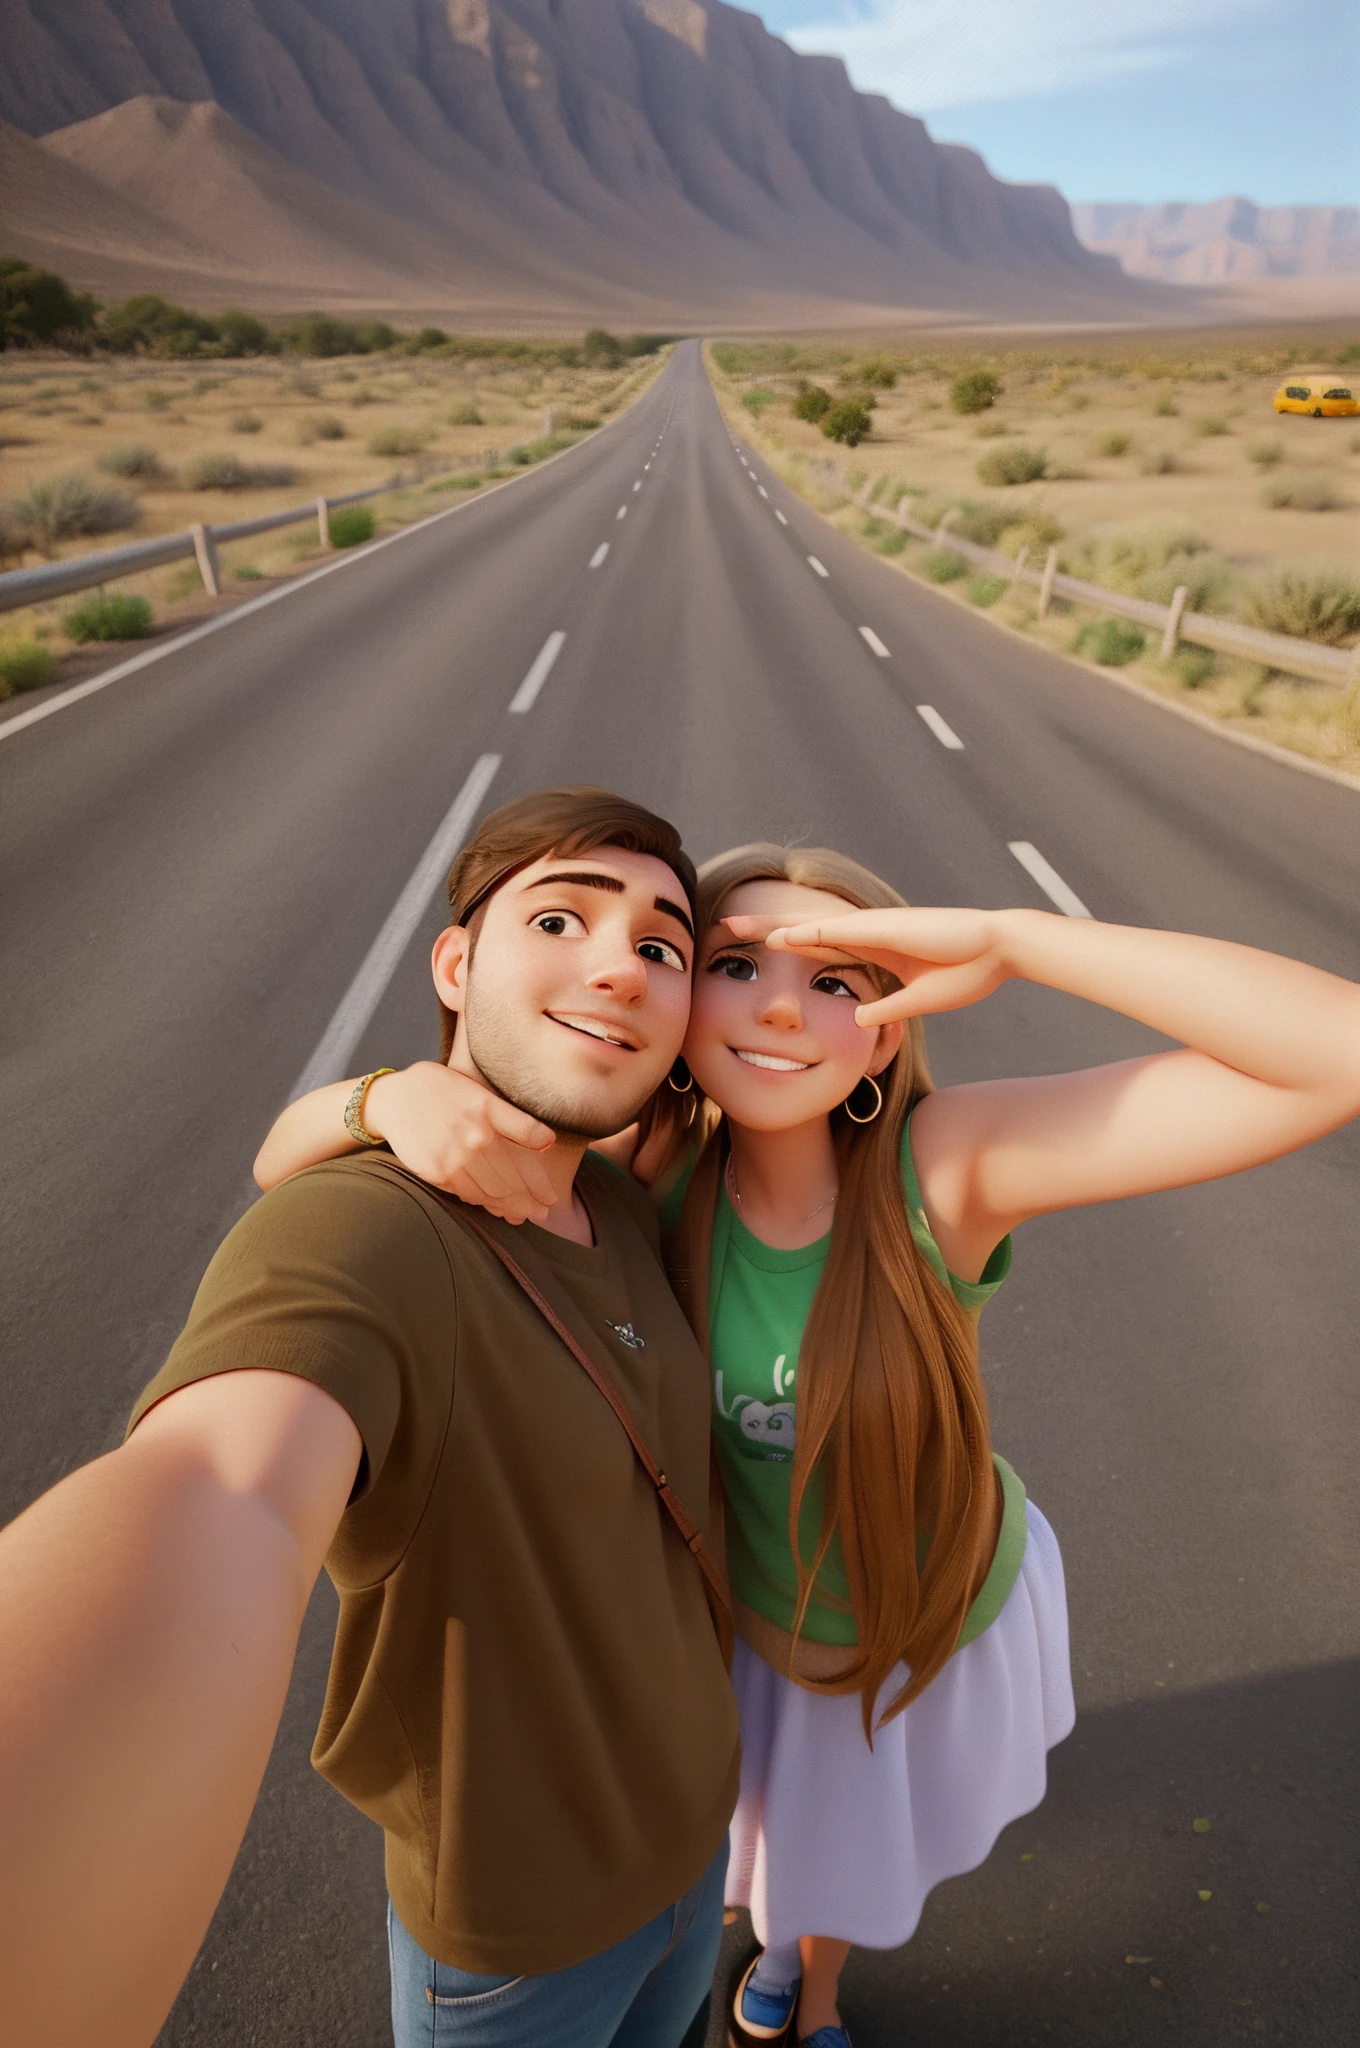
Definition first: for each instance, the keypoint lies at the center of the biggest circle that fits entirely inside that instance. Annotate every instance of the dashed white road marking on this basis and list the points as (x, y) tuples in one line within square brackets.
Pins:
[(763, 492), (780, 517), (944, 733), (872, 642), (813, 563), (523, 699), (601, 551), (361, 999), (622, 512), (638, 485), (1048, 878)]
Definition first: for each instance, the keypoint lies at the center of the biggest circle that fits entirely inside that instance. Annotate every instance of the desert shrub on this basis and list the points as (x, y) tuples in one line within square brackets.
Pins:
[(756, 401), (1212, 424), (812, 404), (24, 665), (892, 542), (571, 423), (1310, 600), (146, 324), (325, 427), (1122, 558), (1265, 453), (991, 430), (1210, 579), (876, 373), (398, 441), (352, 525), (431, 337), (1022, 464), (241, 334), (1165, 407), (848, 422), (246, 423), (539, 450), (37, 306), (156, 400), (1192, 666), (108, 615), (1114, 444), (468, 416), (1305, 491), (61, 507), (245, 572), (601, 350), (133, 460), (1159, 462), (974, 391), (1112, 642), (229, 473), (985, 590), (942, 565)]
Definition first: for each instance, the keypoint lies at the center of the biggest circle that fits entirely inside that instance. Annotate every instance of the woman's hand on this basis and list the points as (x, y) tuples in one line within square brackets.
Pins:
[(457, 1135), (944, 959)]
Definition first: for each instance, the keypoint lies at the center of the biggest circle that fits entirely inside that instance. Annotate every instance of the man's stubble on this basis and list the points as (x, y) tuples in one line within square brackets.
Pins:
[(492, 1025)]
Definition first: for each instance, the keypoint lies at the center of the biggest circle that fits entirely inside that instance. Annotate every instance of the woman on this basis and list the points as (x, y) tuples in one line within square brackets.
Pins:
[(836, 1225)]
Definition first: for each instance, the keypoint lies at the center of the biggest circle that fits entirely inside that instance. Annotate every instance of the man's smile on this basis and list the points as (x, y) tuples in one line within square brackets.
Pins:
[(594, 1027)]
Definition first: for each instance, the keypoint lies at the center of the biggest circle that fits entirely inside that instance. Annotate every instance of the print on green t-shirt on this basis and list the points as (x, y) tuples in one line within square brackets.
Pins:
[(759, 1302)]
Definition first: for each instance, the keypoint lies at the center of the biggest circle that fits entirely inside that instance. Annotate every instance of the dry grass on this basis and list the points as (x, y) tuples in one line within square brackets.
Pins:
[(1154, 479), (165, 432)]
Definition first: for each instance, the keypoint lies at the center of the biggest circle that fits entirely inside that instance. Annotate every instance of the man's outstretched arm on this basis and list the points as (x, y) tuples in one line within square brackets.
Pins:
[(149, 1613)]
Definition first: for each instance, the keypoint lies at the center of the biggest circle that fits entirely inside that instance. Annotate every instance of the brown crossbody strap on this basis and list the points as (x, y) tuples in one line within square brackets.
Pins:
[(719, 1601)]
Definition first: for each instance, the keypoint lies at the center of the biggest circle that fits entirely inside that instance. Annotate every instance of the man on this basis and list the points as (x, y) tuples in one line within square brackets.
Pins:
[(526, 1690)]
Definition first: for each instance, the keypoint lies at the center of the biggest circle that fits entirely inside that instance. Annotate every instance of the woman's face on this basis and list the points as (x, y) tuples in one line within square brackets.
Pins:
[(772, 1037)]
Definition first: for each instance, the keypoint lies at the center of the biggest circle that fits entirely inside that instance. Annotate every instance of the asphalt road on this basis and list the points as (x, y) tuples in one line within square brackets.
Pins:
[(196, 862)]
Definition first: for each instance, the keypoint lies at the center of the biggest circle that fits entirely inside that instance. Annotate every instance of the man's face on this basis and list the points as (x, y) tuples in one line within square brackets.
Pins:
[(576, 1000)]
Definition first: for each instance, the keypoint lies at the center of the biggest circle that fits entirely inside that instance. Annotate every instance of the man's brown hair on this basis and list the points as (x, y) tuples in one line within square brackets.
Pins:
[(569, 822)]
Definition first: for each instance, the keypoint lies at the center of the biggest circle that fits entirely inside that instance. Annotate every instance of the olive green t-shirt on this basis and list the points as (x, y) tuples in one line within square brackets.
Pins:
[(759, 1302), (526, 1691)]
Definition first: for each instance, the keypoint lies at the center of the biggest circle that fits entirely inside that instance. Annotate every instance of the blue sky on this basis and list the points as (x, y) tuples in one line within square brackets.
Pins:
[(1117, 99)]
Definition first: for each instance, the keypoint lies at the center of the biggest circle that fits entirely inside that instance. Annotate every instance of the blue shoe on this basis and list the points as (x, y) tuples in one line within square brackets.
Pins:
[(757, 2017), (826, 2037)]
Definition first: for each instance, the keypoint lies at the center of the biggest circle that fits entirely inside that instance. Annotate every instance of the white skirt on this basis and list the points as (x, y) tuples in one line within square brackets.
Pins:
[(830, 1837)]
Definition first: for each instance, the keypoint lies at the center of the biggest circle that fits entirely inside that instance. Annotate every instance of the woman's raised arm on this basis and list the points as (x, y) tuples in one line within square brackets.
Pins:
[(1269, 1061)]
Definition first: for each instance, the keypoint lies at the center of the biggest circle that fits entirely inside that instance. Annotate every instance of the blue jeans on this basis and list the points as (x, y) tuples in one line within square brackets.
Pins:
[(642, 1993)]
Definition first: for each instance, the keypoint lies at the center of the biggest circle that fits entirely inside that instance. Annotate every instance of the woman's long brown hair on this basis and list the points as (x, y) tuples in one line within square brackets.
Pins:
[(891, 1411)]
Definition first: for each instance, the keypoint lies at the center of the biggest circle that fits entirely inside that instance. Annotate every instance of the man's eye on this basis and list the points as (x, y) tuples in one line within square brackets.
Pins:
[(662, 954), (736, 966), (555, 922)]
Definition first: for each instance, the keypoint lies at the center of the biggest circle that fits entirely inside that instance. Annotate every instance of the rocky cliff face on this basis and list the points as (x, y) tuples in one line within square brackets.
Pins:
[(615, 150), (1224, 240)]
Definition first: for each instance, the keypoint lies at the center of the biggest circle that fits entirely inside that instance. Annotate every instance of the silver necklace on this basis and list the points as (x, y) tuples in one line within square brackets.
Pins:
[(735, 1193)]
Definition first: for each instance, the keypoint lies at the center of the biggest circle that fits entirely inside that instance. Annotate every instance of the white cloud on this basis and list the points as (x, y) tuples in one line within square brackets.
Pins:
[(930, 54)]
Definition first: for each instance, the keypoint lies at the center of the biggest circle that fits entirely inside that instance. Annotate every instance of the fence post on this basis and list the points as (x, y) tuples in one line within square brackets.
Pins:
[(1020, 561), (1046, 585), (323, 522), (945, 521), (205, 554), (1173, 621)]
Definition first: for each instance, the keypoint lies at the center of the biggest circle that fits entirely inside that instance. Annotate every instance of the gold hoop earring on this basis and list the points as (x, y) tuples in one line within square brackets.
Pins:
[(681, 1087), (878, 1100)]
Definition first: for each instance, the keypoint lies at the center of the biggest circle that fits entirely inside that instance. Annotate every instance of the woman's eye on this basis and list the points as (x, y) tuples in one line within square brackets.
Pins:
[(736, 966), (832, 985), (662, 954)]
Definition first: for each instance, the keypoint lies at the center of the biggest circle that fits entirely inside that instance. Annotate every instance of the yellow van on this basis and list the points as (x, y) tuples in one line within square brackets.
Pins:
[(1322, 393)]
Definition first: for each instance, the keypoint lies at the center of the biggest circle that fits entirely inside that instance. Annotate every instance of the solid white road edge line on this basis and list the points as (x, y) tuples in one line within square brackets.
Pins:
[(357, 1006), (601, 551), (813, 563), (872, 642), (523, 699), (945, 734), (1049, 880)]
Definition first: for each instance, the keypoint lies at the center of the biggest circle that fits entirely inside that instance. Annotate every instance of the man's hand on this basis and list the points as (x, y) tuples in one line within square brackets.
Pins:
[(457, 1135)]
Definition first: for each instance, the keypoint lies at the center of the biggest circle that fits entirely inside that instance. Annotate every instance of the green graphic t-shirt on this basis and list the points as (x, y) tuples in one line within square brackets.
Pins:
[(759, 1302)]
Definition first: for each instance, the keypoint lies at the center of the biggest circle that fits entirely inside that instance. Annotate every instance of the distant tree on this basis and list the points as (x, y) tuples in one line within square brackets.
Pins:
[(812, 403), (371, 337), (601, 349), (975, 391), (37, 306), (147, 325), (241, 334), (849, 422), (431, 337)]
